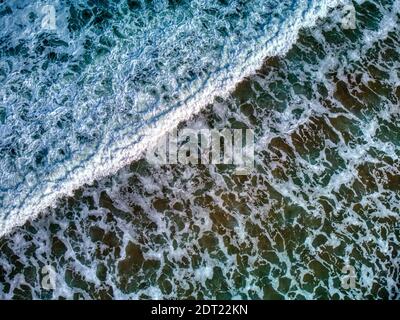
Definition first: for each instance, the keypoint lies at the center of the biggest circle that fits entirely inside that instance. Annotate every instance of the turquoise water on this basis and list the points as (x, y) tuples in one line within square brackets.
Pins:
[(78, 100), (324, 194)]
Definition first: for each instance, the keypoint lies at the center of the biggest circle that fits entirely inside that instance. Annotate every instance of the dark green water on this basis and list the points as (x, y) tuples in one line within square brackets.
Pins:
[(324, 194)]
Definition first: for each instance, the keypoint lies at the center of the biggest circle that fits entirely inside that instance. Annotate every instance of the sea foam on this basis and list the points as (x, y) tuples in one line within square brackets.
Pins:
[(322, 201), (79, 101)]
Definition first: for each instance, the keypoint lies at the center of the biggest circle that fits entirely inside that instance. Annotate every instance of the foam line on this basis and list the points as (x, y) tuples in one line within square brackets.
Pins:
[(119, 145)]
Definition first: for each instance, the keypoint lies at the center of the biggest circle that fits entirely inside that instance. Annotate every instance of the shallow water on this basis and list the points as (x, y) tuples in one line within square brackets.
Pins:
[(78, 101), (324, 194)]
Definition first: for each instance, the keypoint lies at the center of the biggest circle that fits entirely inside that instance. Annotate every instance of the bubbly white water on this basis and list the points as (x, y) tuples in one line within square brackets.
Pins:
[(79, 100), (324, 193)]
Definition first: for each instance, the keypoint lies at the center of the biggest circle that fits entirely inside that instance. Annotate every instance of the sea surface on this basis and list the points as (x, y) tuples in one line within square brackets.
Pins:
[(81, 102)]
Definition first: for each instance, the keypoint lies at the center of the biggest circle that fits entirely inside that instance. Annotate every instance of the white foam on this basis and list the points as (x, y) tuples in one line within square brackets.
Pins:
[(128, 148)]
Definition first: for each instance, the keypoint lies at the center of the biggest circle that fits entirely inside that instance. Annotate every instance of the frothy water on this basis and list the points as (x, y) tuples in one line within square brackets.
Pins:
[(324, 195), (77, 101)]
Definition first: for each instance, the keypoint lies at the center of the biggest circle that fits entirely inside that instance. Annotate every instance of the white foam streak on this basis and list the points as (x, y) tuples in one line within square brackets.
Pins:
[(126, 151)]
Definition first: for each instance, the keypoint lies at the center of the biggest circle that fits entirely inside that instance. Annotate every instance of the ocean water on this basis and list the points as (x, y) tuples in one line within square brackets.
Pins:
[(78, 103)]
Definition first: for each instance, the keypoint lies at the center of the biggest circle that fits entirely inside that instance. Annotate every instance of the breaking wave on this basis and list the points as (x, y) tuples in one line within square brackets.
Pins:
[(77, 102)]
